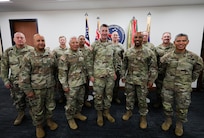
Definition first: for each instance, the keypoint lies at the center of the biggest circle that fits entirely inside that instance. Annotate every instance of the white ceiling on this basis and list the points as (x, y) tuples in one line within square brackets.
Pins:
[(50, 5)]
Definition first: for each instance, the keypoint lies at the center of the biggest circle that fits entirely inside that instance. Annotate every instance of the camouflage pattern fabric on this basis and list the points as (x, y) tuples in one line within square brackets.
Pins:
[(104, 65), (160, 51), (139, 67), (37, 76), (10, 69), (72, 75), (180, 71)]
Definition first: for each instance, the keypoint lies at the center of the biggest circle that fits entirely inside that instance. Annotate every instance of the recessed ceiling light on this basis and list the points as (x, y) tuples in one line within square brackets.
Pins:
[(4, 0)]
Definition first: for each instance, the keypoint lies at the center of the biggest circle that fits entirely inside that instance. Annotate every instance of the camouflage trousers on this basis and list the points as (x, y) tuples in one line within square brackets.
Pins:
[(179, 99), (42, 105), (18, 97), (103, 88), (75, 101), (136, 91), (116, 86)]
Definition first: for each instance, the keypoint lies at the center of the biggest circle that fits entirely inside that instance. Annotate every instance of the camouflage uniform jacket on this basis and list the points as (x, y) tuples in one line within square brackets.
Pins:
[(58, 52), (162, 50), (87, 58), (71, 67), (11, 63), (118, 49), (181, 69), (104, 60), (150, 46), (139, 66), (37, 71)]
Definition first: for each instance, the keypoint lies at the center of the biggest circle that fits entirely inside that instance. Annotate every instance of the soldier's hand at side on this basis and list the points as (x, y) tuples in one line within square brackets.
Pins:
[(149, 84), (115, 76), (92, 79), (8, 85), (30, 94), (123, 80), (66, 90)]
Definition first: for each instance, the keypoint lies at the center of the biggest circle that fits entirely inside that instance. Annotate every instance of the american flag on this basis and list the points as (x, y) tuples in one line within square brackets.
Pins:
[(98, 35), (87, 41)]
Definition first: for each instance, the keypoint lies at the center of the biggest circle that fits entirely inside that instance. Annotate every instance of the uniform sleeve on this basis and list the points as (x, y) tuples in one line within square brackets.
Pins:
[(25, 74), (153, 68), (124, 65), (63, 72), (89, 62), (198, 67), (5, 67)]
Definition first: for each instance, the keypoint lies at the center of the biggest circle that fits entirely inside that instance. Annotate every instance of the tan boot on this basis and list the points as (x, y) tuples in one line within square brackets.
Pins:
[(19, 118), (127, 115), (72, 124), (40, 133), (99, 118), (179, 129), (51, 124), (107, 114), (143, 122), (80, 117), (166, 124)]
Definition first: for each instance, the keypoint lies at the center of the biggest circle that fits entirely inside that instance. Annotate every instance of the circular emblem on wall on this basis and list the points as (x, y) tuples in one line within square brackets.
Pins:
[(121, 32)]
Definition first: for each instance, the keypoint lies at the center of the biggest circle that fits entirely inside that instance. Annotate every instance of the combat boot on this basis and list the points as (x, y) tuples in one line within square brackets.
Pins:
[(40, 133), (80, 117), (107, 114), (19, 118), (179, 129), (167, 124), (72, 124), (143, 122), (127, 115), (99, 118), (51, 124)]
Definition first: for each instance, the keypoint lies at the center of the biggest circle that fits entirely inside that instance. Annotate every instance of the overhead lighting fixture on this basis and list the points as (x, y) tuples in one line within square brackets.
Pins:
[(4, 0)]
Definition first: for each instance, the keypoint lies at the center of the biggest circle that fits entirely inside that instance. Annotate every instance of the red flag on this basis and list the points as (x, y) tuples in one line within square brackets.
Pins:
[(131, 32), (98, 35), (87, 41)]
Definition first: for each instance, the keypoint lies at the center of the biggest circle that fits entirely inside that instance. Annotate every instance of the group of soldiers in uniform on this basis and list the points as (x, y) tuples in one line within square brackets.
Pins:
[(33, 73)]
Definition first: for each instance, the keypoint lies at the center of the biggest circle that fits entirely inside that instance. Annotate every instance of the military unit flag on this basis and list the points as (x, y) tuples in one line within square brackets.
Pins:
[(131, 32)]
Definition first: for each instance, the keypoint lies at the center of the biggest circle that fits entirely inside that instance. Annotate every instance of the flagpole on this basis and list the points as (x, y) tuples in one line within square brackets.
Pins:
[(148, 25), (97, 29)]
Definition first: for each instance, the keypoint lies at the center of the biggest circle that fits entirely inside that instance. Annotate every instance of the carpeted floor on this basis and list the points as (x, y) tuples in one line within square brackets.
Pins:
[(194, 128)]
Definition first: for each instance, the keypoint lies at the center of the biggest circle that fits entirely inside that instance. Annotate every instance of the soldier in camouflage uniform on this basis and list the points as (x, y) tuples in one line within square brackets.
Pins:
[(72, 75), (103, 75), (37, 80), (145, 42), (161, 50), (10, 69), (118, 48), (58, 52), (181, 67), (139, 71), (86, 52), (149, 45)]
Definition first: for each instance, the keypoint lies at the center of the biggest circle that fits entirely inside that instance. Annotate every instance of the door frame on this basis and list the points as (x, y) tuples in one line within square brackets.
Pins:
[(11, 22)]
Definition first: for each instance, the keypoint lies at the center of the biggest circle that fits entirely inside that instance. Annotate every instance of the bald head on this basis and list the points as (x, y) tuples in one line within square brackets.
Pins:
[(39, 42)]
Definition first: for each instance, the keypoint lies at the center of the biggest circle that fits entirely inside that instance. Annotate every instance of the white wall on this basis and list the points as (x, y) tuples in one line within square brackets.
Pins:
[(52, 24)]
